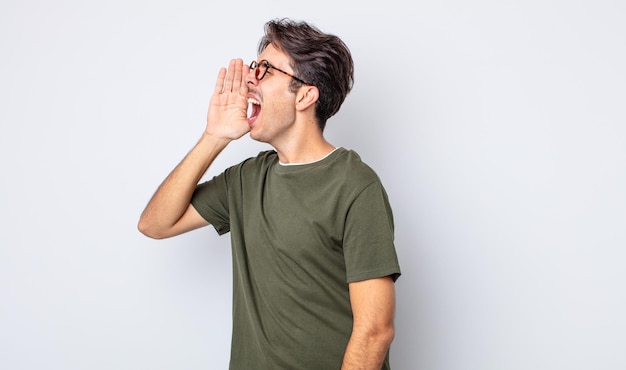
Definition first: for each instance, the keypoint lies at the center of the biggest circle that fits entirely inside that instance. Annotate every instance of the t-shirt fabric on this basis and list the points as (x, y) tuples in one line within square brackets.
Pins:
[(300, 234)]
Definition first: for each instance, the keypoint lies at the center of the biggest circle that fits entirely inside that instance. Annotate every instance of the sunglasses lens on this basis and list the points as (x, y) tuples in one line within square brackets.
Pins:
[(260, 68), (257, 69)]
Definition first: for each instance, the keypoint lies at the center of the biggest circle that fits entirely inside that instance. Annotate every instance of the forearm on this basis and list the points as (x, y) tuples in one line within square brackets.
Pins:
[(367, 350), (373, 306), (171, 200)]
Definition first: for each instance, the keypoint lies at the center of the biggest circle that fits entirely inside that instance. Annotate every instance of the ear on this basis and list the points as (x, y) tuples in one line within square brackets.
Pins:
[(307, 96)]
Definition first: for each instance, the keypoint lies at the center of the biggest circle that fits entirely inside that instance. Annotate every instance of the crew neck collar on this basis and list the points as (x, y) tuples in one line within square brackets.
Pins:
[(287, 168), (307, 163)]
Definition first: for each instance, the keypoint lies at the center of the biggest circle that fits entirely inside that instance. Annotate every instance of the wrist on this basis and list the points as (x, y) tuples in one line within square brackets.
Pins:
[(214, 141)]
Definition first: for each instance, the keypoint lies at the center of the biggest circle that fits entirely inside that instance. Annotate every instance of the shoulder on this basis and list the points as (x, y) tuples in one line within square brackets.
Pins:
[(263, 160), (355, 169), (348, 174)]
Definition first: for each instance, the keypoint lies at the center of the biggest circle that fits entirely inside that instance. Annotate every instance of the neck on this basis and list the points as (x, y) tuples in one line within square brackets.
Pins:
[(304, 149)]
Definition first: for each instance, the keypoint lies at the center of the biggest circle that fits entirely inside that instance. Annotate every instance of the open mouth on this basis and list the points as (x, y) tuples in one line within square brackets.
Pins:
[(254, 108)]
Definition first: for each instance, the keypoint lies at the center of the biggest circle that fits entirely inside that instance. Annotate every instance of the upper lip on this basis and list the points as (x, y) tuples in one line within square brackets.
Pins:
[(254, 97)]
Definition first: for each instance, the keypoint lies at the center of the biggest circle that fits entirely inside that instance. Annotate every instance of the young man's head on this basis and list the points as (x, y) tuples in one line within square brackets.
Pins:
[(318, 59)]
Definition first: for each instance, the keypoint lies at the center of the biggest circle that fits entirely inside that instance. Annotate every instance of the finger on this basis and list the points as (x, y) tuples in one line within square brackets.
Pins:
[(228, 84), (237, 75), (243, 89), (219, 84)]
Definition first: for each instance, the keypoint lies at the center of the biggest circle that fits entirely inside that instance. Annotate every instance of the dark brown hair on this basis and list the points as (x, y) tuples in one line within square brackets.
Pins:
[(322, 60)]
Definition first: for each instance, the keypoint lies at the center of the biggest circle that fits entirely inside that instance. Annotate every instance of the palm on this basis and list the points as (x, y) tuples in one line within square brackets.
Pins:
[(227, 116)]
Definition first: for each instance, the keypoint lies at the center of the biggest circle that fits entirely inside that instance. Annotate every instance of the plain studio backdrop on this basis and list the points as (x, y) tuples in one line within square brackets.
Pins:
[(497, 127)]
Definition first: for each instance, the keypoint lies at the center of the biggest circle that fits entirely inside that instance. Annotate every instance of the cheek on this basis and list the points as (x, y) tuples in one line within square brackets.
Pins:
[(283, 107)]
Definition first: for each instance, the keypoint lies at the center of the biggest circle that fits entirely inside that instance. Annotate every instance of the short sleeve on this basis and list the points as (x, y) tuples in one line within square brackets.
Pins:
[(368, 248), (210, 199)]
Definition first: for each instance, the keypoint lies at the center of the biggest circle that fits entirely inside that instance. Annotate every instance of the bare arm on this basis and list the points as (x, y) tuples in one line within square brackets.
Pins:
[(373, 308), (169, 212)]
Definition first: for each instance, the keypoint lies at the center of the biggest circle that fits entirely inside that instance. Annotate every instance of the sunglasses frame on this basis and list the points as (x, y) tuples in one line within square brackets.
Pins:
[(267, 65)]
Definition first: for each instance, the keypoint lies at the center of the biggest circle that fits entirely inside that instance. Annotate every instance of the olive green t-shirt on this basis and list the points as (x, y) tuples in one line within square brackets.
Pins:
[(300, 234)]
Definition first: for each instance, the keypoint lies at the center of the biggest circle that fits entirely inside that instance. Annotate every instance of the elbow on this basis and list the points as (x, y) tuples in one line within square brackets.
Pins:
[(147, 229), (380, 336), (385, 336)]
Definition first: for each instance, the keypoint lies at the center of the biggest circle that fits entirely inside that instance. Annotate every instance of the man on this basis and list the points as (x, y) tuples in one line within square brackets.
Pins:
[(314, 263)]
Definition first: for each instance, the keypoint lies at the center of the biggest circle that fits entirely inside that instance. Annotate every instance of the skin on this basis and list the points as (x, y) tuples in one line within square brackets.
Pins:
[(287, 122)]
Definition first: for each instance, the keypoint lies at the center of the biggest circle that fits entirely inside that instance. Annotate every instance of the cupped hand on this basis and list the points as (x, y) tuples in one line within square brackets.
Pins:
[(228, 109)]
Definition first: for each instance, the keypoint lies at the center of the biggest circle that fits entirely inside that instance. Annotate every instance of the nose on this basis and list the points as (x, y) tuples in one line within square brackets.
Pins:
[(251, 76)]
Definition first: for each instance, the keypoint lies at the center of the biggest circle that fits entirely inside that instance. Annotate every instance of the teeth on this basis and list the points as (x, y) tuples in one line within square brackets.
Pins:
[(254, 101)]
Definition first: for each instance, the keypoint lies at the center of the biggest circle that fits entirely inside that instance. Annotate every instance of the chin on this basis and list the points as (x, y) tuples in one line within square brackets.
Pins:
[(257, 137)]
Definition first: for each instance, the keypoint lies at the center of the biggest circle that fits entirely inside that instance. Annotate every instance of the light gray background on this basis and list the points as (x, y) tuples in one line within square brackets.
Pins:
[(496, 126)]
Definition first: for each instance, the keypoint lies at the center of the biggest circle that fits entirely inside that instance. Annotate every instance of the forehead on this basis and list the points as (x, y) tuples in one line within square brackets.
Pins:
[(274, 56)]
